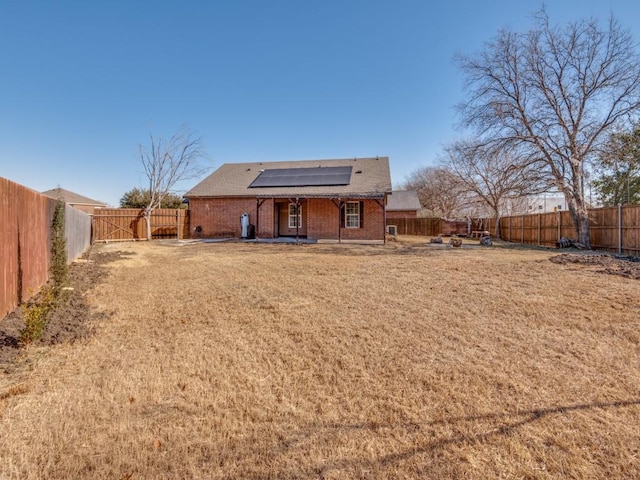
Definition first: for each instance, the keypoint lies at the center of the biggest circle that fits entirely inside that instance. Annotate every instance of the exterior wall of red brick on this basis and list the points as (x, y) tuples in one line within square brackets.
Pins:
[(401, 214), (266, 226), (373, 227), (325, 221), (326, 218), (220, 217)]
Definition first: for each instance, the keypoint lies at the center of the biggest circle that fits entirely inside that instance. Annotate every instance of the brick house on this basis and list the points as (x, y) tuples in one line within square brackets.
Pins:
[(403, 204), (316, 199), (85, 204)]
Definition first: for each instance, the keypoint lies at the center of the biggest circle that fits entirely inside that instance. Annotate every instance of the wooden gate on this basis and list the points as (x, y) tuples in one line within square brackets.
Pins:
[(122, 224)]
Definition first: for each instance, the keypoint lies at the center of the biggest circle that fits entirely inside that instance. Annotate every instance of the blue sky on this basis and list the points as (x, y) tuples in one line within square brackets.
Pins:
[(83, 83)]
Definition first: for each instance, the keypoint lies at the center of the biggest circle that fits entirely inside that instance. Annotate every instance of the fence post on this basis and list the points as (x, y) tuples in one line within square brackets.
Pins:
[(559, 224), (509, 228), (523, 230), (178, 224), (619, 229), (539, 229)]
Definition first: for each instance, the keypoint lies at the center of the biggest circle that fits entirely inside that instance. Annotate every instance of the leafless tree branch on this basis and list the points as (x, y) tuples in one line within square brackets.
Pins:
[(553, 94), (167, 162), (494, 177)]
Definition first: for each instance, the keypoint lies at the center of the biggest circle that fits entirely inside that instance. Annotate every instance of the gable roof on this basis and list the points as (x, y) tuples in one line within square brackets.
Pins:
[(370, 177), (403, 200), (72, 198)]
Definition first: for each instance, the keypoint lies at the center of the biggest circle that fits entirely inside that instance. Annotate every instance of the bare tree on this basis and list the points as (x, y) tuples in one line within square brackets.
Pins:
[(554, 93), (495, 177), (438, 190), (167, 162)]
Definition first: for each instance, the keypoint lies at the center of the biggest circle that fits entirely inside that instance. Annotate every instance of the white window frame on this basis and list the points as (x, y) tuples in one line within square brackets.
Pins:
[(292, 216), (351, 219)]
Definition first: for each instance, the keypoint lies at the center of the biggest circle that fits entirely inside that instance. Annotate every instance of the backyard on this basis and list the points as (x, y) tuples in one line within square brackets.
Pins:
[(256, 361)]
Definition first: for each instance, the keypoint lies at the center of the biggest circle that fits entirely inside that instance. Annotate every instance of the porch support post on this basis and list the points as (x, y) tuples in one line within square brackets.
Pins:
[(259, 203), (297, 219), (338, 203), (384, 217)]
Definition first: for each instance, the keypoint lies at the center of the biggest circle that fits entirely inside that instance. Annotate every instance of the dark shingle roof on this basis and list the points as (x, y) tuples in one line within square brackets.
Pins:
[(370, 177), (403, 200)]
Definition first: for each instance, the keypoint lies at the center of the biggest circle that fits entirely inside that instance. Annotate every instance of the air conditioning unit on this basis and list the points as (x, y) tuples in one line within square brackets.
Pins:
[(392, 230)]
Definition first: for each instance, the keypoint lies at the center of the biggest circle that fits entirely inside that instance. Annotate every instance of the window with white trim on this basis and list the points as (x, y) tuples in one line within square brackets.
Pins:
[(292, 215), (352, 215)]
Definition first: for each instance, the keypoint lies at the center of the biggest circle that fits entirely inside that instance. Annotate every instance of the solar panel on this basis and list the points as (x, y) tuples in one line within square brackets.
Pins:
[(303, 177)]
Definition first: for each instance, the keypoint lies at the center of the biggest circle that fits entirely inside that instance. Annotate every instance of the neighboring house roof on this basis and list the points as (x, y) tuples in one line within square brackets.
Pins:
[(370, 177), (72, 198), (403, 200)]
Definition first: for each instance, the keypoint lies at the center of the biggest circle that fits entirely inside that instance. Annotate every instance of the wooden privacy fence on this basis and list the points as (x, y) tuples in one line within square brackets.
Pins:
[(118, 224), (616, 229), (428, 226), (544, 229), (612, 229), (25, 249)]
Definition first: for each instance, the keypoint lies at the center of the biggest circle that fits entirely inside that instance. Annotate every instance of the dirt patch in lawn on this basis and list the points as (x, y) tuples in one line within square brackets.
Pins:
[(70, 319), (628, 267)]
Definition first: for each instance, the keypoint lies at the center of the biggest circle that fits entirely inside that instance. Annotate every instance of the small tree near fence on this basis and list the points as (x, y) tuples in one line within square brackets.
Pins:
[(166, 162)]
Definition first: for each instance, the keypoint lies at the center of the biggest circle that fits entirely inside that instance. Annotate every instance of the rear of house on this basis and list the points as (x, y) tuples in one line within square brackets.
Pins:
[(342, 199), (403, 204)]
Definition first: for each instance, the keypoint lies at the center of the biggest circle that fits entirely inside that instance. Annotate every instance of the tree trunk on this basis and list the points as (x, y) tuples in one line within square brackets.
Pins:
[(147, 220), (577, 205), (584, 234), (497, 229), (580, 217)]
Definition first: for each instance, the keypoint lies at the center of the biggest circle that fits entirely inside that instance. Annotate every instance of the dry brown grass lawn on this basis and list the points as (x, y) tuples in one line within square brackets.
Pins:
[(324, 361)]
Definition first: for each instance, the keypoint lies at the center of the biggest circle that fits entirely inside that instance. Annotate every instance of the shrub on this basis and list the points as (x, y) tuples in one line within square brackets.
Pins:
[(36, 311), (59, 269), (34, 315)]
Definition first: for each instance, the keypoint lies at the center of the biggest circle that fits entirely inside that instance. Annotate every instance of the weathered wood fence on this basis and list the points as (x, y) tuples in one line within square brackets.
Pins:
[(25, 232), (612, 229), (428, 226), (118, 224)]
